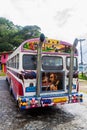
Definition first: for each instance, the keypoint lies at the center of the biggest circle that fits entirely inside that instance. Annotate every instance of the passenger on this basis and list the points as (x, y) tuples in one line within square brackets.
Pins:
[(53, 81), (44, 81)]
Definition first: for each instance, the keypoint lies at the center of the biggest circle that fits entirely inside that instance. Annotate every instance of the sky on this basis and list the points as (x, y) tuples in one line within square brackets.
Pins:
[(61, 19), (58, 19)]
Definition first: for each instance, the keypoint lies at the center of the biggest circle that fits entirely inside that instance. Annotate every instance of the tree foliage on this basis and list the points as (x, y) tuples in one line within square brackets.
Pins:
[(6, 47), (11, 36)]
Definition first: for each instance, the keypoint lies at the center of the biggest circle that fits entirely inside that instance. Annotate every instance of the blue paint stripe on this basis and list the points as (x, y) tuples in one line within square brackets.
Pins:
[(50, 96)]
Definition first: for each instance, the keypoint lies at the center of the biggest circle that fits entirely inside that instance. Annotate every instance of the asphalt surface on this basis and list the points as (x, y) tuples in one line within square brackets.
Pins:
[(83, 86), (68, 117)]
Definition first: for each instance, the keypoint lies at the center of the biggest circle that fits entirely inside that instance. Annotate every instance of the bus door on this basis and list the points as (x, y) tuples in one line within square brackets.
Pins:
[(52, 74), (29, 73)]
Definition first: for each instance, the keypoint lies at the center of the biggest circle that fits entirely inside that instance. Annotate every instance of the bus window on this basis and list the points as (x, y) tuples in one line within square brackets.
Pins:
[(75, 67), (17, 61), (52, 63), (29, 62)]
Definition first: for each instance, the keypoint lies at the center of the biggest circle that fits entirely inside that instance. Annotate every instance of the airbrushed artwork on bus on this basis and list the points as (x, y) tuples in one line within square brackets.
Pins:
[(48, 46), (52, 81)]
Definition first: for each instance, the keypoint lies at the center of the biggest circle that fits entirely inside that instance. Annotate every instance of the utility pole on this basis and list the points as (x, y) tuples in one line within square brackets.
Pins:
[(39, 53), (81, 63), (81, 40), (71, 65)]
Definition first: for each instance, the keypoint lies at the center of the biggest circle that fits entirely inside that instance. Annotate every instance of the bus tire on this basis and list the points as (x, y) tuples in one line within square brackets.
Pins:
[(10, 87), (6, 79)]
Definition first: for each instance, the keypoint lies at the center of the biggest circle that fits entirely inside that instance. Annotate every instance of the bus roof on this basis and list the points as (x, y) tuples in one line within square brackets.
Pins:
[(49, 45)]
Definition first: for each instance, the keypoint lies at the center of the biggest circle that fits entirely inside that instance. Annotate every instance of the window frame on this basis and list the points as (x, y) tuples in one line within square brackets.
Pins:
[(75, 67), (44, 67), (28, 64)]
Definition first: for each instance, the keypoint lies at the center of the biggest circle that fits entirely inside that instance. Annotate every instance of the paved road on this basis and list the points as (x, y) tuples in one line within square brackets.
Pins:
[(67, 117), (83, 86)]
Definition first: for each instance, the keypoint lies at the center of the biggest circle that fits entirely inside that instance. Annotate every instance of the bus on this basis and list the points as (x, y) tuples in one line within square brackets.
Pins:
[(38, 74)]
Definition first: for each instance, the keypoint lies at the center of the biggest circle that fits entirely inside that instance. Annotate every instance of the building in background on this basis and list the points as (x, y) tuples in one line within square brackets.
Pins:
[(3, 60)]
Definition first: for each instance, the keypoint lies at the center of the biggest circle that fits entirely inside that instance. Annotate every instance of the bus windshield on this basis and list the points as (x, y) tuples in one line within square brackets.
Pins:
[(52, 63)]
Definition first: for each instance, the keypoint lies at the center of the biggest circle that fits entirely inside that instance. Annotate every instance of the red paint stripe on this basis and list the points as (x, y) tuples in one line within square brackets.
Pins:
[(17, 86)]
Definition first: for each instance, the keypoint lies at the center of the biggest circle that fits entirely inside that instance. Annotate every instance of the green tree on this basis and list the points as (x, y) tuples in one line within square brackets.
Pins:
[(13, 35), (6, 47), (30, 32), (7, 30)]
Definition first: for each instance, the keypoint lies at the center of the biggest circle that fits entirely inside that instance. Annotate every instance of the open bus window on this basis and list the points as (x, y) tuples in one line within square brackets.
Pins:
[(75, 67), (52, 63), (29, 62)]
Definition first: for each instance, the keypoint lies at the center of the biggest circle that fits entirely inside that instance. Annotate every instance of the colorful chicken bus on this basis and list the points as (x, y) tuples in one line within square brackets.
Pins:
[(45, 84)]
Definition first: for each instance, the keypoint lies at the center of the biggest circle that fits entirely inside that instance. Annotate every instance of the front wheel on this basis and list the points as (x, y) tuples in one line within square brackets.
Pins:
[(10, 87)]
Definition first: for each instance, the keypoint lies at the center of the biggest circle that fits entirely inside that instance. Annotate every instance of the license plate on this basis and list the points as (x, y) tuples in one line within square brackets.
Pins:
[(46, 101), (59, 100)]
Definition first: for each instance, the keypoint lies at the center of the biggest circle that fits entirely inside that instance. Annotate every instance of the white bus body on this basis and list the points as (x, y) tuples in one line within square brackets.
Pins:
[(55, 64)]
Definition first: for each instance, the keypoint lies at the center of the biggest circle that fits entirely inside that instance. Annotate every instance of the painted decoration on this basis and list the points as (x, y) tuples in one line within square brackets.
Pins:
[(49, 45), (51, 81)]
